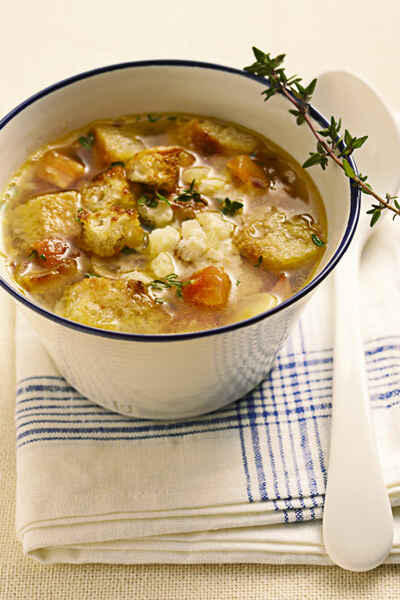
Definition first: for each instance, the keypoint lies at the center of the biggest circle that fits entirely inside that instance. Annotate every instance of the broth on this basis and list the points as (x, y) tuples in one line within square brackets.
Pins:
[(162, 223)]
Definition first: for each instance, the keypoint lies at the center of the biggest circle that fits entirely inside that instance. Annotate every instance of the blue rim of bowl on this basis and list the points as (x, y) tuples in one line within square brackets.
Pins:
[(346, 239)]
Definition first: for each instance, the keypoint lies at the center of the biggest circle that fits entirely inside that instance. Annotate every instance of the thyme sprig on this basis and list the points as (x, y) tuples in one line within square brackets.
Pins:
[(332, 142), (169, 281), (190, 194)]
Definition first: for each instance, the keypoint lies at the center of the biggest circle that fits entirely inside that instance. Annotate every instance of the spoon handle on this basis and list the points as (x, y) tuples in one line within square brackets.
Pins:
[(357, 521)]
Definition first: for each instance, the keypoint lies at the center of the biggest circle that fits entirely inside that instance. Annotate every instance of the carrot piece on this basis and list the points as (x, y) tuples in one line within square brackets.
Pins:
[(52, 252), (208, 287)]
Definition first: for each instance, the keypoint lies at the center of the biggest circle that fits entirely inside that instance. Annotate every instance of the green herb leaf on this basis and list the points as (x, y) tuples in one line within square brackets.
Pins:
[(317, 241), (127, 250), (375, 216), (169, 281), (259, 261), (163, 198), (87, 141), (153, 118), (190, 194), (314, 159), (230, 208), (348, 169), (150, 201), (358, 142), (117, 163), (91, 275)]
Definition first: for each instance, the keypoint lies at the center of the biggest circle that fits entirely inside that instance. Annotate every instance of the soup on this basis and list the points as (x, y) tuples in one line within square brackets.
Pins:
[(162, 223)]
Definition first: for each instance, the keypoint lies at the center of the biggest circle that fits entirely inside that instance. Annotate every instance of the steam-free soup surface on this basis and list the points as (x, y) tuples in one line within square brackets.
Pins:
[(162, 224)]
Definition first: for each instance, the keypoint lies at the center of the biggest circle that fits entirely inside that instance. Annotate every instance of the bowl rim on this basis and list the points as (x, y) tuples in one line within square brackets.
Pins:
[(355, 203)]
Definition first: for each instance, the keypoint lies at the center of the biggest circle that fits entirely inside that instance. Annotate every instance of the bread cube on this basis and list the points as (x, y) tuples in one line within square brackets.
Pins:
[(105, 232), (108, 188), (59, 170), (211, 137), (277, 242), (116, 143), (115, 304), (108, 215), (159, 166), (42, 217), (164, 239)]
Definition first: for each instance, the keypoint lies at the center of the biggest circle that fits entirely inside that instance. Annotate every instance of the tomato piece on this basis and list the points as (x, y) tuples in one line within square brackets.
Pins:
[(209, 287), (52, 252), (247, 171)]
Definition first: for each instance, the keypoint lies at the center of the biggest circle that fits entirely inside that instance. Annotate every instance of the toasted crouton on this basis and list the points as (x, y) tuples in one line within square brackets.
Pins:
[(108, 215), (108, 188), (116, 143), (211, 137), (159, 166), (120, 305), (277, 242), (43, 217), (106, 231), (58, 169)]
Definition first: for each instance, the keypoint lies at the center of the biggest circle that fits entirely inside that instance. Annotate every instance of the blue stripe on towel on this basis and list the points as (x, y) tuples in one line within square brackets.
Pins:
[(280, 425)]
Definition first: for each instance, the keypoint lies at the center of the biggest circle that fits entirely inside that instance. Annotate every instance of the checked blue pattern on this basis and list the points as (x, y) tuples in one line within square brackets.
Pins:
[(282, 426)]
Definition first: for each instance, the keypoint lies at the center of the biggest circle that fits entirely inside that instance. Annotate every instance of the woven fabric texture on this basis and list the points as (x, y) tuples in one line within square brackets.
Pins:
[(21, 578)]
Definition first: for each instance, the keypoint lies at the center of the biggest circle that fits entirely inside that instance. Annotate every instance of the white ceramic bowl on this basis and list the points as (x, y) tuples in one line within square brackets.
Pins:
[(182, 375)]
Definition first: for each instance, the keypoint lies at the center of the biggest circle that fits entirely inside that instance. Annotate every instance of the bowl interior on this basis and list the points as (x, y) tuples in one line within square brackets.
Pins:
[(170, 87)]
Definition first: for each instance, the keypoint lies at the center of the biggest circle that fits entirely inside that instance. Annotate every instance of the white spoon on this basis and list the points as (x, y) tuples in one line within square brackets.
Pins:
[(357, 521)]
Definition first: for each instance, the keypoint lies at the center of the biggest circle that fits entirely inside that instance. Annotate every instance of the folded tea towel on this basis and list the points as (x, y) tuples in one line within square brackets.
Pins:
[(244, 484)]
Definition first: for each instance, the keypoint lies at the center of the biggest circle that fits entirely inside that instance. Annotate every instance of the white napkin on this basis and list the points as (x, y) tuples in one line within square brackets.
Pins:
[(244, 484)]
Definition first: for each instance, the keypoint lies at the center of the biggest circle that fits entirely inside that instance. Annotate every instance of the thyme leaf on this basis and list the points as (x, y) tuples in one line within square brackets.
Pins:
[(317, 241), (230, 208), (152, 201), (190, 194), (170, 281), (87, 141)]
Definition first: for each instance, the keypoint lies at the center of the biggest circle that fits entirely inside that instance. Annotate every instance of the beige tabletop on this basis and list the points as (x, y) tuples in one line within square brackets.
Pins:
[(44, 41)]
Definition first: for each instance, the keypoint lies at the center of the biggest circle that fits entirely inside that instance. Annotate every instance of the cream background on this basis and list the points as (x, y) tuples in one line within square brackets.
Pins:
[(44, 41)]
